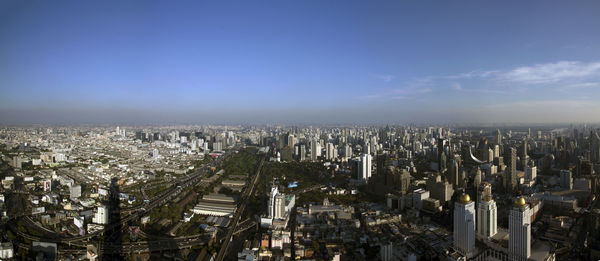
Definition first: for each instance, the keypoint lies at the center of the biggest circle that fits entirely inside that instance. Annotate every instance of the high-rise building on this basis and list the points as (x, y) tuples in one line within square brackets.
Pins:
[(498, 137), (314, 147), (594, 147), (290, 140), (330, 151), (347, 151), (404, 181), (364, 167), (271, 203), (464, 225), (101, 216), (524, 148), (367, 148), (510, 173), (566, 179), (487, 215), (519, 229), (453, 173), (279, 206), (441, 143), (302, 152), (530, 171), (484, 190)]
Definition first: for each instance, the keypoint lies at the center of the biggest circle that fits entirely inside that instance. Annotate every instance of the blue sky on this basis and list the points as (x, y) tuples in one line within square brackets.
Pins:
[(299, 61)]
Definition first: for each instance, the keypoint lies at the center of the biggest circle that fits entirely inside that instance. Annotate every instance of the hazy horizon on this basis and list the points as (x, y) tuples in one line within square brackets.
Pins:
[(307, 62)]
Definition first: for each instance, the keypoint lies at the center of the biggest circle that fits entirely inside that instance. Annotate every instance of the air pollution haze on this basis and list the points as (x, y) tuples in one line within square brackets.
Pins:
[(301, 62)]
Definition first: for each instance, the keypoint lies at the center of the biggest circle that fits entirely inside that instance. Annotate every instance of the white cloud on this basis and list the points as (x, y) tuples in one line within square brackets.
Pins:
[(384, 77), (558, 72), (557, 80)]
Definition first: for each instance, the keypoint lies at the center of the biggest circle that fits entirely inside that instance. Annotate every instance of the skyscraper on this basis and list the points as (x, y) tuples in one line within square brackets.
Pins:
[(302, 152), (404, 181), (271, 203), (290, 140), (330, 151), (364, 167), (314, 147), (519, 227), (347, 151), (510, 173), (594, 147), (279, 206), (464, 225), (487, 215), (453, 172), (498, 137)]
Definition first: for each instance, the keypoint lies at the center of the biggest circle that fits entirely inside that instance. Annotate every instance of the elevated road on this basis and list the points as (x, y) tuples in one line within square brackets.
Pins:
[(134, 213), (245, 198)]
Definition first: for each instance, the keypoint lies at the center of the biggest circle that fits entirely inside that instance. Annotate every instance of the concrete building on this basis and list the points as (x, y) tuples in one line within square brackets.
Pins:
[(510, 173), (101, 216), (330, 152), (418, 196), (530, 173), (6, 250), (487, 216), (440, 190), (464, 225), (566, 179), (315, 149), (302, 152), (519, 227), (75, 192), (279, 206), (364, 167), (271, 203)]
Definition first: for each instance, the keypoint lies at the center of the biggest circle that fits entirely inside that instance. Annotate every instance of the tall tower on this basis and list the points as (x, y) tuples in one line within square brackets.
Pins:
[(271, 203), (364, 167), (498, 137), (290, 140), (302, 150), (594, 147), (441, 143), (330, 150), (519, 227), (279, 206), (510, 173), (453, 173), (464, 225), (314, 147), (487, 215)]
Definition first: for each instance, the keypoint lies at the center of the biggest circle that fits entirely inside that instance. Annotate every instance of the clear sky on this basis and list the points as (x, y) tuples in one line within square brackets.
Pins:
[(160, 62)]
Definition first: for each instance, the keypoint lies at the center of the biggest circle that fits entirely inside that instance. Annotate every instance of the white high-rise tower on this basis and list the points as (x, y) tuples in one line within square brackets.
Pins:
[(519, 228), (487, 215), (364, 167), (464, 225)]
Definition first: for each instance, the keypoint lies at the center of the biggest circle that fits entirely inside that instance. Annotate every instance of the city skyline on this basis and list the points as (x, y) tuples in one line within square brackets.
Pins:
[(299, 62)]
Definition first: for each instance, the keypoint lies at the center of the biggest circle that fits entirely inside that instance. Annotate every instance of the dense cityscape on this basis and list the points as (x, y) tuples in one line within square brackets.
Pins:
[(322, 130), (277, 192)]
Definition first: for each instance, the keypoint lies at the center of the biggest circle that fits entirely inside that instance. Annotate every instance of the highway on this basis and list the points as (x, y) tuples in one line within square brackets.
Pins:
[(244, 201)]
